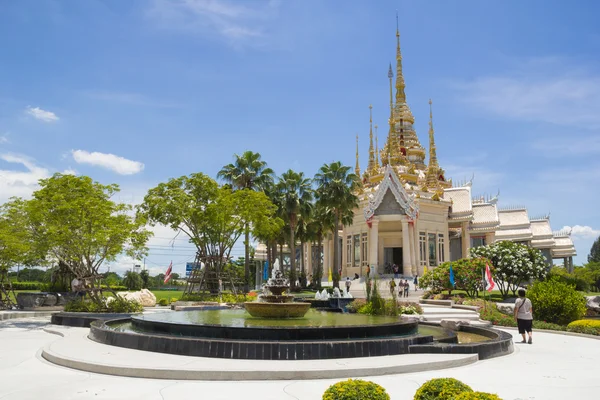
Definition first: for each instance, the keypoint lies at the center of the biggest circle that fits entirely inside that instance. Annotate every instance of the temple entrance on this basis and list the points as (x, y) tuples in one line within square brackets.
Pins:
[(391, 256)]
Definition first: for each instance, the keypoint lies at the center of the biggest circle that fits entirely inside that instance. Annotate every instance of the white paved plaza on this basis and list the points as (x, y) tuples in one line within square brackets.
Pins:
[(554, 367)]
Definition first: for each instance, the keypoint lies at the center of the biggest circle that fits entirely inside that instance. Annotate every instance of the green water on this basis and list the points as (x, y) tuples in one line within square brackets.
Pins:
[(241, 319)]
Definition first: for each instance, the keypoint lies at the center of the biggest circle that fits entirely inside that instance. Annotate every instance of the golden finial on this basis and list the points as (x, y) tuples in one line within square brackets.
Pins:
[(433, 169), (357, 168), (371, 164), (400, 85), (376, 148)]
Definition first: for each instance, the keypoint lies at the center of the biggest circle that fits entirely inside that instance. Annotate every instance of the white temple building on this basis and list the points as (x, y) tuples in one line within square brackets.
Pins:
[(411, 215)]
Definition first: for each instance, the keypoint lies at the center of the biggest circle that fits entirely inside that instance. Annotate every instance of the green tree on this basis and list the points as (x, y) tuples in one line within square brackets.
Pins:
[(73, 220), (15, 239), (213, 217), (145, 276), (133, 280), (594, 256), (321, 221), (515, 264), (336, 190), (248, 171), (296, 194), (112, 279)]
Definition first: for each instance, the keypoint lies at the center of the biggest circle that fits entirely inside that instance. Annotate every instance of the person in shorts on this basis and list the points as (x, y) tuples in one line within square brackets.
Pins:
[(524, 315)]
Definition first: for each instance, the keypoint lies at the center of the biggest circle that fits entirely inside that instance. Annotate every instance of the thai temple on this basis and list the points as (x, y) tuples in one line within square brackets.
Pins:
[(412, 215)]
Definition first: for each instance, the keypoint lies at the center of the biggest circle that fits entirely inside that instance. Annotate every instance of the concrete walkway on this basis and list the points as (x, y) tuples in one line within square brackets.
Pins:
[(554, 367)]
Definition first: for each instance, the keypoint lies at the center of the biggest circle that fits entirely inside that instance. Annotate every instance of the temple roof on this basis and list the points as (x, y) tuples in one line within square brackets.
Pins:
[(392, 183), (461, 202), (485, 217), (514, 225), (563, 246), (542, 234)]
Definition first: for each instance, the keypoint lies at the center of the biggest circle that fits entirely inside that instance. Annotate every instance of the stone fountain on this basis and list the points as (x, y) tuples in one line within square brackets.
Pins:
[(274, 303)]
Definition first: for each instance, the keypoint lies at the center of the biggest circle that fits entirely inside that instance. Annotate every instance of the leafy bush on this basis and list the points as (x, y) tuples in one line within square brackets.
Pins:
[(562, 275), (441, 389), (133, 280), (489, 312), (225, 298), (27, 285), (356, 305), (477, 396), (587, 326), (427, 295), (515, 264), (355, 389), (163, 302), (115, 305), (409, 308), (174, 299), (557, 302), (468, 273)]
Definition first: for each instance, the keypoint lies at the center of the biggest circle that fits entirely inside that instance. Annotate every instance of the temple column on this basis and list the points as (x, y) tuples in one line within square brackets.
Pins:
[(308, 258), (466, 240), (374, 245), (411, 232), (405, 247), (566, 263)]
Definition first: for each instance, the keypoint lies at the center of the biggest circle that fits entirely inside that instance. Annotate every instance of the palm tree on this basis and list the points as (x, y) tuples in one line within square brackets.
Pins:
[(249, 172), (336, 191), (296, 195), (320, 223)]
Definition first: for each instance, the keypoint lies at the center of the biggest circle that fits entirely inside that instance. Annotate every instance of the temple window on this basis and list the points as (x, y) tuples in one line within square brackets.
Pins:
[(423, 248), (365, 250), (441, 253), (477, 241), (431, 242), (348, 251), (357, 250)]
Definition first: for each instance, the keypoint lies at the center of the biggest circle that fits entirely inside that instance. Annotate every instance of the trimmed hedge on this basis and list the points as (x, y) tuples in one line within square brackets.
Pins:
[(116, 305), (27, 285), (587, 326), (441, 389), (355, 389)]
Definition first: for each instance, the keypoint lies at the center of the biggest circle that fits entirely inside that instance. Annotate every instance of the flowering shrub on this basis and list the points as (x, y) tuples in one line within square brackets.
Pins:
[(355, 389), (409, 308), (477, 396), (356, 305), (515, 264), (468, 276), (557, 302), (441, 389), (588, 326), (115, 305)]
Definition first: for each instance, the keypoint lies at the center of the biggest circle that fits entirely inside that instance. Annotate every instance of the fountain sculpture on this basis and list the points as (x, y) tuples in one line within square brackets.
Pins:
[(276, 304)]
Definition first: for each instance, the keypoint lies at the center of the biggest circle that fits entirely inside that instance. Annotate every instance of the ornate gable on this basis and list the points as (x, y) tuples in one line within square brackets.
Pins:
[(392, 184)]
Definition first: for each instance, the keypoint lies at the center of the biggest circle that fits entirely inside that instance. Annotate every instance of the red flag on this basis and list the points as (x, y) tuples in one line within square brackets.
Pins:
[(168, 273), (489, 281)]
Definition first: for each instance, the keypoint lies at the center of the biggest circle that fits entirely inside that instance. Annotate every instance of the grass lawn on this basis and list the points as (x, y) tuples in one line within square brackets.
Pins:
[(166, 294), (494, 295)]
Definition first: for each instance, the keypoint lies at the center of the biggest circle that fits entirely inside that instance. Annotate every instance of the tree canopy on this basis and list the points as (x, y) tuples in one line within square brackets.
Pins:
[(72, 220), (212, 216), (594, 256)]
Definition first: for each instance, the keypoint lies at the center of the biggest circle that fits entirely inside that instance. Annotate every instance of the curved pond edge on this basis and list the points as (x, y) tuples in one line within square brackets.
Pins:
[(83, 319), (255, 350), (500, 344)]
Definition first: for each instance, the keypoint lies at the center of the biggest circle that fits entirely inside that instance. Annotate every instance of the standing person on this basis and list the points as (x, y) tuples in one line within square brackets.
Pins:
[(392, 286), (416, 282), (396, 272), (406, 287), (77, 287), (348, 283), (524, 315)]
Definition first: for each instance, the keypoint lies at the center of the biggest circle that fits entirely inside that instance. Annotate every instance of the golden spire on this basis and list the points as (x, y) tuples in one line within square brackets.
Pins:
[(400, 85), (433, 168), (371, 150), (357, 168), (388, 146), (376, 149)]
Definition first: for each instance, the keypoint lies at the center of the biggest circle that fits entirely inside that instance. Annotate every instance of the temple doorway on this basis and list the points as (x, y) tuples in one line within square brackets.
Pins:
[(391, 256)]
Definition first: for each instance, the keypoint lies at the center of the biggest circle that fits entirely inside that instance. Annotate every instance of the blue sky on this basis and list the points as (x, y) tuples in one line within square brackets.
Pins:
[(136, 92)]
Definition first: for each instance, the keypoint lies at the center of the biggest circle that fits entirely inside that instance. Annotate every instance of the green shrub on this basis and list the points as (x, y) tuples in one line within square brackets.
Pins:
[(477, 396), (548, 325), (557, 302), (441, 389), (408, 307), (27, 285), (489, 312), (116, 305), (225, 298), (563, 276), (174, 299), (356, 305), (355, 389), (163, 302)]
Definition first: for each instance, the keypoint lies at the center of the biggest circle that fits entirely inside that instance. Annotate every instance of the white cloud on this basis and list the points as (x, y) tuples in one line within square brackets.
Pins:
[(69, 171), (582, 232), (235, 22), (118, 164), (42, 115), (551, 90), (20, 183), (4, 138)]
